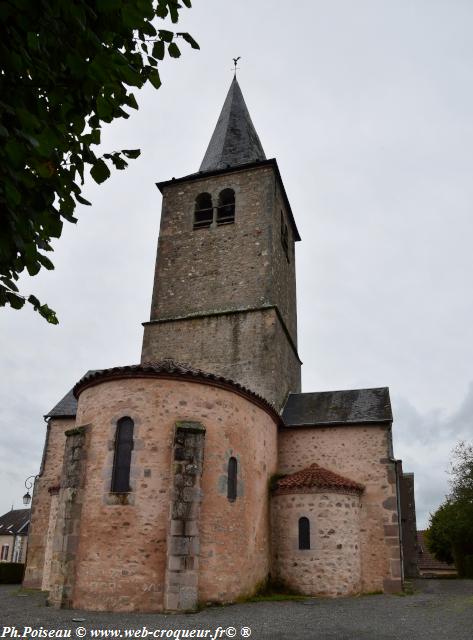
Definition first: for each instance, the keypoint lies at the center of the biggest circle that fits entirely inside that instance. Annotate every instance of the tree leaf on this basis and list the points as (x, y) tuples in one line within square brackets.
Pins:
[(34, 301), (131, 153), (173, 10), (119, 162), (93, 137), (165, 35), (154, 78), (83, 200), (12, 194), (48, 314), (188, 38), (10, 284), (173, 50), (15, 301), (43, 309), (159, 50), (131, 101), (100, 172), (46, 262)]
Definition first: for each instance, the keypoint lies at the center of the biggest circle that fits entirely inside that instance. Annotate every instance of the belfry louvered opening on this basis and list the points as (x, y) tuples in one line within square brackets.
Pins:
[(203, 211), (226, 207)]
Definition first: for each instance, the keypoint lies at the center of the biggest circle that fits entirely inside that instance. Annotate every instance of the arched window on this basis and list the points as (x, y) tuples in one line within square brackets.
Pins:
[(304, 533), (203, 211), (232, 479), (226, 207), (122, 458)]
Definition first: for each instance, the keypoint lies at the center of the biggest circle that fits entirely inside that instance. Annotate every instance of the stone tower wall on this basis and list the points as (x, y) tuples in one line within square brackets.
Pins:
[(124, 547), (239, 269), (227, 344), (360, 453), (41, 530), (284, 268), (332, 566)]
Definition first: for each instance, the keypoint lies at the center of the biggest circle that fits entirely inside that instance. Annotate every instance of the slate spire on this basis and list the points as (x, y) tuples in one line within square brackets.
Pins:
[(234, 140)]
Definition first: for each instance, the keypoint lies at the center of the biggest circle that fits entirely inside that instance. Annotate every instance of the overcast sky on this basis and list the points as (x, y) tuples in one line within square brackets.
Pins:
[(367, 107)]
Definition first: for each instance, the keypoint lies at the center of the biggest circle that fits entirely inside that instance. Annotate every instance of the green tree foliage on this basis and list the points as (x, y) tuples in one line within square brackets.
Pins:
[(439, 534), (450, 533), (462, 472), (67, 67)]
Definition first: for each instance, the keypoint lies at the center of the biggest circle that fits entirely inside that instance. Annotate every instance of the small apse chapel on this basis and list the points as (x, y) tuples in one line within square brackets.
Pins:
[(202, 472)]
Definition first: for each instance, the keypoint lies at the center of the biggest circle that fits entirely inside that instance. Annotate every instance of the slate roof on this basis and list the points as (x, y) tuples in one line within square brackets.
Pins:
[(67, 406), (234, 140), (355, 406), (14, 522), (316, 477)]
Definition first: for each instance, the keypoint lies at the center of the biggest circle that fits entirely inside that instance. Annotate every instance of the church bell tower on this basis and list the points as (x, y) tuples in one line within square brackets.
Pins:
[(224, 296)]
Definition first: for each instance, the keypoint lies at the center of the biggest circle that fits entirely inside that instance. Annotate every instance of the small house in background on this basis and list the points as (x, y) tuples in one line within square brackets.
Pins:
[(14, 535), (429, 566)]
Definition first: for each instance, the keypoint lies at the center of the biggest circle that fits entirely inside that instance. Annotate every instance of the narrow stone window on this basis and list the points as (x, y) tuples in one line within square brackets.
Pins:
[(304, 533), (284, 236), (122, 458), (203, 211), (232, 479), (5, 549), (226, 207)]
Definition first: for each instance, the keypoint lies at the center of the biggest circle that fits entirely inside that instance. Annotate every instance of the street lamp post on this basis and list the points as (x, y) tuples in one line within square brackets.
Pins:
[(29, 483)]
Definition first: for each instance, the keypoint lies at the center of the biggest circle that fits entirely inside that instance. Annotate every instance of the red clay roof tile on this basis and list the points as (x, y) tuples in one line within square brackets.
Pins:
[(317, 477)]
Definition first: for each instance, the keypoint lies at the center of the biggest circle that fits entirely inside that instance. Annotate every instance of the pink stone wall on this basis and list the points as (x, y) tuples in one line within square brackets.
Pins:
[(40, 532), (122, 555), (360, 453), (48, 551), (332, 566)]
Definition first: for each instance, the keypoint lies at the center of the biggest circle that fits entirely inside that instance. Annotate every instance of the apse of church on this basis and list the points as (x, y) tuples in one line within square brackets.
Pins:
[(203, 472)]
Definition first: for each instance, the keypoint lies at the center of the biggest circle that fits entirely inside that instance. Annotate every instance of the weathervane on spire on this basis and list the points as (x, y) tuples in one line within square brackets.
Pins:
[(235, 62)]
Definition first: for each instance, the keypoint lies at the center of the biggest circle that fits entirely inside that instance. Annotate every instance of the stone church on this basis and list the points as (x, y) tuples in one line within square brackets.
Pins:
[(201, 473)]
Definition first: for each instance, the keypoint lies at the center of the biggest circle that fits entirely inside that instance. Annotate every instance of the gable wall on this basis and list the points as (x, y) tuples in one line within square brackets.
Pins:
[(360, 453)]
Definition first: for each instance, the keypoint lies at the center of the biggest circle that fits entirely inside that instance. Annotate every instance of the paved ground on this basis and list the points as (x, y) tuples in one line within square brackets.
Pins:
[(438, 610)]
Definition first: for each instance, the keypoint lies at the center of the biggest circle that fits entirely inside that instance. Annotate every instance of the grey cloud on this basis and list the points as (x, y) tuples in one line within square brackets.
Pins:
[(424, 442)]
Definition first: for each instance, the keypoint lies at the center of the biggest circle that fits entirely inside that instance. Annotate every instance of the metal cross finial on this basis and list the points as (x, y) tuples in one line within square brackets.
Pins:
[(235, 61)]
